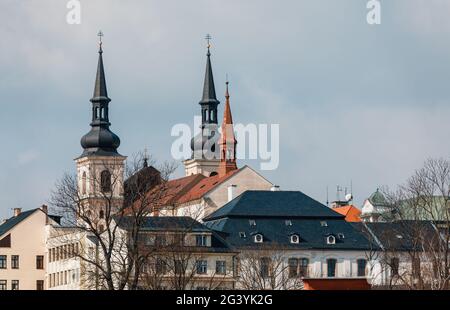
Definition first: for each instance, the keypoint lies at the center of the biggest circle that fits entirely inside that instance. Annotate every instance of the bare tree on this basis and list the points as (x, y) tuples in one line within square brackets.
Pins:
[(177, 262), (269, 268), (420, 230), (108, 218)]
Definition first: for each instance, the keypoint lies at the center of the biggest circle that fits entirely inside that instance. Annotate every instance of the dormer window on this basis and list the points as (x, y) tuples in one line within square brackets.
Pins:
[(258, 238), (252, 222), (323, 223), (242, 234), (341, 236), (295, 239), (331, 239), (288, 223)]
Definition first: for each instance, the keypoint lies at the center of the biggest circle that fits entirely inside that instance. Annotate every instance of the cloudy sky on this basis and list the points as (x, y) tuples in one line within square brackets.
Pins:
[(355, 102)]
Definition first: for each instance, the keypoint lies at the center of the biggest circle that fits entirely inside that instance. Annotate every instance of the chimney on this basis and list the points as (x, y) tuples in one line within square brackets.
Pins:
[(231, 192), (17, 211), (44, 209), (275, 188)]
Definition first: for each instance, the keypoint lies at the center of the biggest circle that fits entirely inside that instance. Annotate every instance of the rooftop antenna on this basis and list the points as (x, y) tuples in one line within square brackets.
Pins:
[(338, 191), (328, 202)]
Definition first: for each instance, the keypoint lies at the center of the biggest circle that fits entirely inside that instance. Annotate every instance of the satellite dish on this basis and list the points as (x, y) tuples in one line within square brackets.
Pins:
[(348, 197)]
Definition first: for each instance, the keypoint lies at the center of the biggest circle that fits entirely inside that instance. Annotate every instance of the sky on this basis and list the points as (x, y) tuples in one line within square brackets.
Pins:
[(356, 103)]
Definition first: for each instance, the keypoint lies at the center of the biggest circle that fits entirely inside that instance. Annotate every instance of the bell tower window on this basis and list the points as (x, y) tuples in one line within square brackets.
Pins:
[(83, 183), (105, 181)]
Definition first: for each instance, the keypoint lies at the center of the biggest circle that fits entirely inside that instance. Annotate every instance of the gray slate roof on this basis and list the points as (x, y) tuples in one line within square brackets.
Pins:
[(280, 214), (290, 204), (13, 221)]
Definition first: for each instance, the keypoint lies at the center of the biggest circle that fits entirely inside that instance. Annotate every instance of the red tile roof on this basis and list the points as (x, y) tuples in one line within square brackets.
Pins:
[(183, 190), (204, 186)]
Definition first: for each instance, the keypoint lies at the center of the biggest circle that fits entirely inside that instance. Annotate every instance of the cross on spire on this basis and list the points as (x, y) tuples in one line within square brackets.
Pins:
[(208, 41), (100, 35)]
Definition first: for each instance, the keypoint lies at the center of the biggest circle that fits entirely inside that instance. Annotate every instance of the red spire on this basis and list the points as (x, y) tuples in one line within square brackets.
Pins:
[(228, 141)]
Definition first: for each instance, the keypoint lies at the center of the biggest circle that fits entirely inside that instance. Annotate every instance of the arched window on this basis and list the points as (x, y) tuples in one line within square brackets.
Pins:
[(331, 239), (105, 181), (83, 183), (258, 238), (295, 239)]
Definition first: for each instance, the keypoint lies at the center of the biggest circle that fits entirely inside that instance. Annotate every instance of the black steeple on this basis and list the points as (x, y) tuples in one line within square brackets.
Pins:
[(208, 105), (100, 140), (209, 101)]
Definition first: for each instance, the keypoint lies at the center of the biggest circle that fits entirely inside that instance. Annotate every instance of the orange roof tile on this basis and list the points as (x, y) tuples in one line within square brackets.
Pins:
[(352, 214)]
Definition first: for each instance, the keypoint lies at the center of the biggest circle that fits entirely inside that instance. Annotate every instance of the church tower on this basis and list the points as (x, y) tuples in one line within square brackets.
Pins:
[(100, 167), (205, 157), (227, 141)]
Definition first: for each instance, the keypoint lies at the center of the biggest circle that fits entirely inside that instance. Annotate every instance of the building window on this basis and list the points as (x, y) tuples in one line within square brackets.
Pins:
[(298, 267), (295, 239), (416, 267), (258, 238), (105, 181), (293, 267), (39, 262), (331, 240), (394, 266), (160, 266), (242, 234), (179, 267), (323, 224), (288, 223), (40, 285), (303, 267), (160, 240), (221, 267), (101, 214), (202, 266), (361, 267), (201, 240), (3, 284), (331, 267), (252, 222), (83, 184), (15, 261), (264, 267), (15, 285), (3, 263)]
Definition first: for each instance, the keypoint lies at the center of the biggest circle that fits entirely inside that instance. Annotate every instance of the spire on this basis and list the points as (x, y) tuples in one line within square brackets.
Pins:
[(227, 140), (100, 92), (227, 117), (209, 91), (100, 140)]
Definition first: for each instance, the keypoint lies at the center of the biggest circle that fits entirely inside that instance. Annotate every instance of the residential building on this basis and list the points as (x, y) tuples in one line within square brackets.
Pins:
[(23, 249)]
